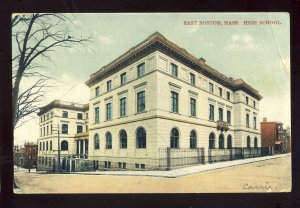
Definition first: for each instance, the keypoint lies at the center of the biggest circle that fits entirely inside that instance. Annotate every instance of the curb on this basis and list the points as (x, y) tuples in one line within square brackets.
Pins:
[(173, 174)]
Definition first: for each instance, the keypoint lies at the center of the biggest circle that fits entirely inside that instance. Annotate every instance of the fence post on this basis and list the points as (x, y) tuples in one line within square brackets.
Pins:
[(203, 155), (243, 156), (168, 158)]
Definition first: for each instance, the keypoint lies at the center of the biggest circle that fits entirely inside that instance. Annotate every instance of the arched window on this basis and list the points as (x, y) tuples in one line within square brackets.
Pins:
[(50, 145), (108, 140), (64, 145), (229, 141), (141, 138), (193, 140), (248, 142), (123, 139), (255, 142), (221, 141), (211, 140), (47, 147), (96, 141), (174, 140)]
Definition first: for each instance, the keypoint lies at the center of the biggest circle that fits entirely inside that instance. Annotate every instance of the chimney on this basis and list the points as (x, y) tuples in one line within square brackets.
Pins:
[(202, 60), (265, 119)]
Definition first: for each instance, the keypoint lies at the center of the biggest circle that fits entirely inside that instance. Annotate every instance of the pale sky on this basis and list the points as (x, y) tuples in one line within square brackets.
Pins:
[(258, 54)]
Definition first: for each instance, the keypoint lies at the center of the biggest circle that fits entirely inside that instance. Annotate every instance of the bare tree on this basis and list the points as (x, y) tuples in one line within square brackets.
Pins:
[(35, 38)]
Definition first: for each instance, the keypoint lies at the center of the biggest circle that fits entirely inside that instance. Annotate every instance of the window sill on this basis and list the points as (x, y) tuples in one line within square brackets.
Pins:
[(140, 112), (174, 112)]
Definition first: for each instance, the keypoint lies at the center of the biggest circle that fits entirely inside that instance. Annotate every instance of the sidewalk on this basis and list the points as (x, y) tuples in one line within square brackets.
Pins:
[(18, 168), (184, 171)]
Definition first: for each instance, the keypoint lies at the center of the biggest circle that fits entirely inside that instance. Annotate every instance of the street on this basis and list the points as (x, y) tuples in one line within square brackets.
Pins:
[(272, 175)]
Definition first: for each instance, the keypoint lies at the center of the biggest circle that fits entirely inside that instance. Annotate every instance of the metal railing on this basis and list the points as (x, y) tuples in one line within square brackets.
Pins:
[(216, 155), (172, 157)]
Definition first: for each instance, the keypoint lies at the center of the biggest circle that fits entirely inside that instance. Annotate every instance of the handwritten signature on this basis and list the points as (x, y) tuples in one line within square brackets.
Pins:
[(265, 186)]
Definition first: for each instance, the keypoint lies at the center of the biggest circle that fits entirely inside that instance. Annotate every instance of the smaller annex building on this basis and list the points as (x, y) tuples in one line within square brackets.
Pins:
[(63, 141)]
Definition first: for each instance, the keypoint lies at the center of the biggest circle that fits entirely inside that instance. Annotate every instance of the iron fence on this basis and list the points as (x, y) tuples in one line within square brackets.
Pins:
[(172, 158), (216, 155)]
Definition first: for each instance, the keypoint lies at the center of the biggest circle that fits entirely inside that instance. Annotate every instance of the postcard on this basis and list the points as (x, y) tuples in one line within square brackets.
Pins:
[(151, 102)]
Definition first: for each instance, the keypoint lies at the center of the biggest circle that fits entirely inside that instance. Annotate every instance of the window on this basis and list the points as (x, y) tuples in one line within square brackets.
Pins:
[(107, 164), (229, 117), (41, 132), (211, 112), (247, 100), (86, 115), (247, 120), (254, 104), (50, 145), (255, 142), (123, 139), (229, 141), (123, 77), (108, 86), (64, 129), (64, 145), (65, 114), (47, 146), (220, 92), (96, 141), (124, 165), (122, 107), (137, 165), (108, 140), (221, 141), (141, 138), (248, 142), (141, 70), (174, 100), (211, 87), (40, 146), (79, 116), (228, 95), (193, 140), (79, 129), (174, 140), (43, 146), (192, 78), (97, 91), (50, 128), (211, 141), (193, 106), (47, 130), (174, 69), (44, 132), (108, 111), (220, 114), (97, 115), (141, 102), (142, 166), (254, 122)]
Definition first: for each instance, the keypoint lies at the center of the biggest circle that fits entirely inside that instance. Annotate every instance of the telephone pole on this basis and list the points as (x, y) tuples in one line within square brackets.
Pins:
[(58, 140)]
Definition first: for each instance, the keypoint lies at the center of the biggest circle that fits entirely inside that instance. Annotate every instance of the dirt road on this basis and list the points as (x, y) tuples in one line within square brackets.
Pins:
[(265, 176)]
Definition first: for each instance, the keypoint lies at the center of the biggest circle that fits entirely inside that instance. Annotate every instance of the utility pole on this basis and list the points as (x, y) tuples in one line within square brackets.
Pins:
[(58, 140)]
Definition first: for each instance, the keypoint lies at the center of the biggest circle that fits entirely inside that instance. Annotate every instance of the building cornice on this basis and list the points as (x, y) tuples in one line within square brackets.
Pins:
[(63, 105), (157, 42)]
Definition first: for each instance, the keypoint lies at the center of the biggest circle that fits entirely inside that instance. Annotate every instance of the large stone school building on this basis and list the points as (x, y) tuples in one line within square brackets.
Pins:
[(158, 107)]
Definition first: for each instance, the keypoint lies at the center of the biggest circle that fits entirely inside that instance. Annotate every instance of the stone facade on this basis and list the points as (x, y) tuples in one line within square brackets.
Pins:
[(66, 124), (158, 81)]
